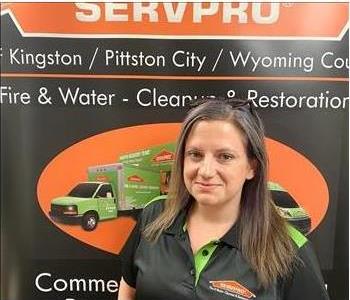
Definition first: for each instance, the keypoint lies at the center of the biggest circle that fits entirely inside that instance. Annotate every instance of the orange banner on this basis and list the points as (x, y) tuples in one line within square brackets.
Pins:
[(238, 19)]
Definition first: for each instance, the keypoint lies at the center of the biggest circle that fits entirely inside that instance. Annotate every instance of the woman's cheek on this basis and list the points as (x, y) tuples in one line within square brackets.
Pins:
[(189, 174), (190, 169)]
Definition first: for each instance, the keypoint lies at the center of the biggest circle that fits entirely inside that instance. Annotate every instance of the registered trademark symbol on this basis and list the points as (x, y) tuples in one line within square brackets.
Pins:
[(231, 93), (287, 4)]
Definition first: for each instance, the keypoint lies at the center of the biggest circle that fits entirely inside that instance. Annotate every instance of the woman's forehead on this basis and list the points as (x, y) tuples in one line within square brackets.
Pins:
[(219, 134)]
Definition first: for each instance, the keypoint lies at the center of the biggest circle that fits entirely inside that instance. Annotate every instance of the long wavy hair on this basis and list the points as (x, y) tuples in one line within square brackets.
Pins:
[(264, 238)]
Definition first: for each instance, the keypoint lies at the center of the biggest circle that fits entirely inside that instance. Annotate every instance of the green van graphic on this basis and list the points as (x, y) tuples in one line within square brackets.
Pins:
[(111, 189)]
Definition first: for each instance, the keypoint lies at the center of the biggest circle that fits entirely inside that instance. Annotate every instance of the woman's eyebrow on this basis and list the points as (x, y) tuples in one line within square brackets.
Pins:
[(191, 148), (227, 150)]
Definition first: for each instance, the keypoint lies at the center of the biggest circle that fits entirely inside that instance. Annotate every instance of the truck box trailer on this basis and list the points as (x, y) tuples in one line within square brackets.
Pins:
[(159, 158)]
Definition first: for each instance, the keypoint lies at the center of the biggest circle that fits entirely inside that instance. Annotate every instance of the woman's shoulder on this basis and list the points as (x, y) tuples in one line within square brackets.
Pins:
[(301, 242), (307, 281), (303, 245)]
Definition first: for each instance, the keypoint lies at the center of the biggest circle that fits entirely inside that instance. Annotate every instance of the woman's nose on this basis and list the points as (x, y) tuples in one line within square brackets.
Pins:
[(207, 168)]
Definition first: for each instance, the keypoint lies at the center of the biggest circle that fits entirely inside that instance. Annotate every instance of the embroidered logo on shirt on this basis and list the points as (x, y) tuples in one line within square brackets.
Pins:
[(231, 288)]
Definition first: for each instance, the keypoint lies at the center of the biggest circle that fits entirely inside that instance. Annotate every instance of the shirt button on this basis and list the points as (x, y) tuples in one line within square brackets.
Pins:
[(205, 252), (193, 272)]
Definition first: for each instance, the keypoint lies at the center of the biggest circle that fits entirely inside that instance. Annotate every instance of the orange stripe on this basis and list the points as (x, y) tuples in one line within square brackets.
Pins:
[(170, 77)]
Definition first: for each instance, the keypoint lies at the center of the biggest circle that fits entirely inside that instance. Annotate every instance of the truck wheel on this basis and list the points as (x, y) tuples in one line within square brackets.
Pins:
[(89, 221)]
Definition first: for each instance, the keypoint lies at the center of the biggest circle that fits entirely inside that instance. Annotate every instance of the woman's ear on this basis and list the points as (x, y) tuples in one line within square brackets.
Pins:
[(252, 168)]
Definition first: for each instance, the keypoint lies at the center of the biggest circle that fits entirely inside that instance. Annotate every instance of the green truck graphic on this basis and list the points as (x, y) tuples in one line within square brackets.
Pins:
[(116, 189), (110, 189), (125, 187)]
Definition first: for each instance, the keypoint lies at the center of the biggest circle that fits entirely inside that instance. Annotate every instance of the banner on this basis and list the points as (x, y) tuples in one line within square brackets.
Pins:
[(92, 97)]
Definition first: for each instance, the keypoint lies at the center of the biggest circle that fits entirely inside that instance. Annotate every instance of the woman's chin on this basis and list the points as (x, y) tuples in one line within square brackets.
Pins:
[(206, 201)]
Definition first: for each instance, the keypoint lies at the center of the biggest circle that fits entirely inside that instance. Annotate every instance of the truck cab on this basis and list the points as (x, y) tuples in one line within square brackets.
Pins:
[(289, 209), (87, 203)]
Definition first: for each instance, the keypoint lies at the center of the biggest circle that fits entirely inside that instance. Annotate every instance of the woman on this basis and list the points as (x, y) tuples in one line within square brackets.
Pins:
[(218, 235)]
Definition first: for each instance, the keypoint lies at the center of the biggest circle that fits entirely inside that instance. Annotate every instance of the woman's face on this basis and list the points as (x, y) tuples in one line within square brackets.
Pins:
[(216, 164)]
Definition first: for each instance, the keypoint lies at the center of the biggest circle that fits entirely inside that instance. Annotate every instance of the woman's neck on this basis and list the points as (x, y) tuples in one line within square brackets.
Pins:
[(208, 223), (215, 214)]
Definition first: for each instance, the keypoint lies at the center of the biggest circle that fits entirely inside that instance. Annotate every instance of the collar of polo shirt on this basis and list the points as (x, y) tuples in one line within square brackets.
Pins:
[(230, 238)]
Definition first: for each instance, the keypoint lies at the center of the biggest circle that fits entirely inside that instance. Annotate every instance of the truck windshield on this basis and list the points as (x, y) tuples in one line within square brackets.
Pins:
[(84, 190), (283, 199)]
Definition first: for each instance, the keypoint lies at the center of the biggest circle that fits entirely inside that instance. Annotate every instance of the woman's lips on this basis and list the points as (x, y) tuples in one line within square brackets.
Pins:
[(206, 186)]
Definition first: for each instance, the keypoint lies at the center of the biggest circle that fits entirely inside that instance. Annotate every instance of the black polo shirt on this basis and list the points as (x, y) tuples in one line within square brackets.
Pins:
[(168, 270)]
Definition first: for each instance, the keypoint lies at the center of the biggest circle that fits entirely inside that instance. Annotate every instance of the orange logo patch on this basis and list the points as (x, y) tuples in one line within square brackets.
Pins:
[(135, 178), (163, 156), (102, 178), (231, 288)]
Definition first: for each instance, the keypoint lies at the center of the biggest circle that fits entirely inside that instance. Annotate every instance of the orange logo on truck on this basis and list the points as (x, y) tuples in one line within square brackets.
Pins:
[(163, 156), (232, 288), (102, 178), (135, 178)]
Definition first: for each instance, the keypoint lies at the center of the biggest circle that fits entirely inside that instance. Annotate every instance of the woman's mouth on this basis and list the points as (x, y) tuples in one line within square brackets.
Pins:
[(206, 186)]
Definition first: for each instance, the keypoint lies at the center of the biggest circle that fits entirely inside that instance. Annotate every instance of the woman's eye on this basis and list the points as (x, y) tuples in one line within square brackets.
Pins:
[(194, 155), (225, 156)]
